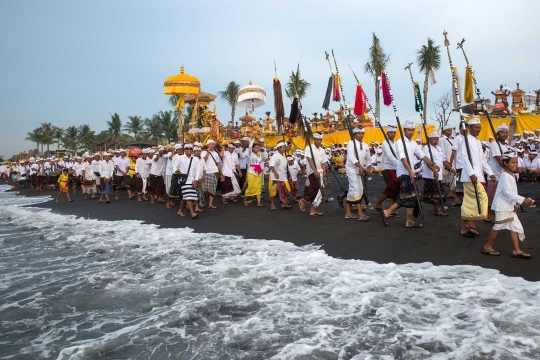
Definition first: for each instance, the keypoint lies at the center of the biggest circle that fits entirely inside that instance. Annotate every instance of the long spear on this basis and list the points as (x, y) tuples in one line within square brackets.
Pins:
[(413, 180), (348, 123), (377, 122), (462, 118), (422, 120)]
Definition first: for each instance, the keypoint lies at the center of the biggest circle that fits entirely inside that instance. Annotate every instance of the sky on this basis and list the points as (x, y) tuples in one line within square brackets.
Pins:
[(76, 62)]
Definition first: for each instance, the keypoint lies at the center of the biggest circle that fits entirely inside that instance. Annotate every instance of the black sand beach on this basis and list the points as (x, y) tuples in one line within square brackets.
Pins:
[(439, 242)]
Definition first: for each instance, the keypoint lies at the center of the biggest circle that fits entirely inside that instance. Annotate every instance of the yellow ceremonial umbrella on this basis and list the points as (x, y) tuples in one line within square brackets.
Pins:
[(181, 84)]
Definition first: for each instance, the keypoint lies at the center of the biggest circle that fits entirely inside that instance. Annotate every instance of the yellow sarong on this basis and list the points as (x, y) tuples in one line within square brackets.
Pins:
[(254, 184), (273, 187), (469, 208)]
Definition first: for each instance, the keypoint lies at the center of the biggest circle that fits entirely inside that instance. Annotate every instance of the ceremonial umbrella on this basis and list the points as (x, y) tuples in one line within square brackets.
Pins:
[(181, 84), (529, 98), (251, 97)]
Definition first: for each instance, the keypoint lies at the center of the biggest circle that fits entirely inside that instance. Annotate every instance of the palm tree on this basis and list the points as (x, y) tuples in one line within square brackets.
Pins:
[(169, 125), (35, 136), (71, 139), (429, 60), (87, 137), (173, 100), (154, 129), (230, 95), (296, 85), (48, 132), (135, 126), (115, 130), (377, 61), (57, 136)]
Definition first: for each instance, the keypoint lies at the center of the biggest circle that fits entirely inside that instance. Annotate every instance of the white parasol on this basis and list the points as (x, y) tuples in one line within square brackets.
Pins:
[(529, 98), (251, 96)]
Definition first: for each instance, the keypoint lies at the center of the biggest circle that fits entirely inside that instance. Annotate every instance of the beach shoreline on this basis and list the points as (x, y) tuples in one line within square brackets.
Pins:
[(438, 242)]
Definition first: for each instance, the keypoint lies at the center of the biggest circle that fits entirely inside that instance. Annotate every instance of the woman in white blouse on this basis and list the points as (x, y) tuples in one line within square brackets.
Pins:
[(254, 174)]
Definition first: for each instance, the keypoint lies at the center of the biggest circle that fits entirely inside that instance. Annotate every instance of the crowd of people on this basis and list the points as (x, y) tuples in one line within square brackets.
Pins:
[(480, 176)]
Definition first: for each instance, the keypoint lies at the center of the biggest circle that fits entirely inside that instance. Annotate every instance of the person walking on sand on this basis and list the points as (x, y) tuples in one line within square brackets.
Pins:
[(187, 166), (106, 170), (254, 174), (63, 182), (504, 205), (278, 185), (316, 172), (213, 171), (355, 168)]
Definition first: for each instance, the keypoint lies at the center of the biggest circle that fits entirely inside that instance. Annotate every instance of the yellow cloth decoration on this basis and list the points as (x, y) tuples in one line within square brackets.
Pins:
[(469, 92), (527, 122)]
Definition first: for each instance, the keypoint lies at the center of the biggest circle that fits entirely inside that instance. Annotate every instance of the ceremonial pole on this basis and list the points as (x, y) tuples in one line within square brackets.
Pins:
[(482, 101), (462, 118), (422, 120), (413, 180), (307, 131), (349, 126), (377, 122)]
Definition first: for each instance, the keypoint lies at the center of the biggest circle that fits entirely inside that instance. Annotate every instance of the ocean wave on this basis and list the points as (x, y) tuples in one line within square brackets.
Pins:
[(75, 288)]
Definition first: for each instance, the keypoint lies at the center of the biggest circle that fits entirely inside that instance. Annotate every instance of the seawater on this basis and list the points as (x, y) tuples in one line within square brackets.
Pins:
[(74, 288)]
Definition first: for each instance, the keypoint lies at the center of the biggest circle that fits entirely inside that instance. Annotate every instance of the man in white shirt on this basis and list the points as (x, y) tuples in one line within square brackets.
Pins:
[(88, 179), (95, 164), (213, 171), (405, 175), (446, 143), (278, 186), (188, 166), (156, 182), (316, 172), (456, 159), (432, 185), (167, 176), (243, 153), (121, 166), (531, 165), (200, 203), (496, 164), (230, 186), (472, 175), (358, 162), (142, 171), (106, 171), (77, 172), (174, 188), (389, 166), (294, 170)]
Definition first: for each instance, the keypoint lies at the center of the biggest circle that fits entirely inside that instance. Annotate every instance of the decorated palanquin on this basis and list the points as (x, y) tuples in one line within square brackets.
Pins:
[(537, 102), (501, 103), (250, 126), (518, 101), (204, 123), (268, 126)]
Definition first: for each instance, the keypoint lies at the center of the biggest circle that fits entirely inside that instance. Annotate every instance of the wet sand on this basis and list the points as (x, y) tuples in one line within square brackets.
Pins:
[(439, 242)]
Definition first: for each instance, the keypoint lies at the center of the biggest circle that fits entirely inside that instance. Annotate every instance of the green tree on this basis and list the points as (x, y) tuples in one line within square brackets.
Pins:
[(71, 139), (135, 126), (376, 63), (58, 135), (428, 58), (35, 136), (296, 85), (169, 125), (154, 129), (87, 137), (115, 130), (48, 132), (230, 95)]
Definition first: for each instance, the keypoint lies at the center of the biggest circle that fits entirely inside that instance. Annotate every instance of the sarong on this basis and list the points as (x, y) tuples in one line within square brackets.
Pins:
[(189, 193), (64, 186), (311, 192), (254, 186), (40, 180), (157, 186), (140, 185), (356, 188), (200, 195), (210, 183), (106, 187), (407, 194), (174, 190), (430, 192), (167, 180), (89, 188), (469, 208), (508, 220), (118, 181), (392, 185), (130, 182), (459, 185), (53, 180), (491, 188), (280, 189), (230, 186)]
